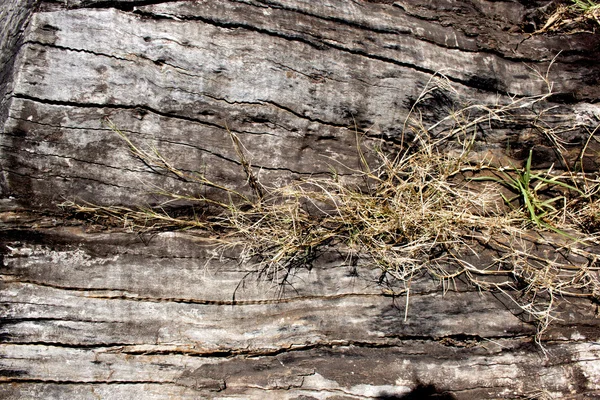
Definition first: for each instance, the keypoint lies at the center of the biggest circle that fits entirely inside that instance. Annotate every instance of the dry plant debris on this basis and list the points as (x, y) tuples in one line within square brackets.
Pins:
[(416, 211), (577, 16)]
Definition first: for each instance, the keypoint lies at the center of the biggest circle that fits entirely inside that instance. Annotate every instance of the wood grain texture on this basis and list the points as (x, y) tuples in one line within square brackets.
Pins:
[(293, 81), (113, 315), (89, 313)]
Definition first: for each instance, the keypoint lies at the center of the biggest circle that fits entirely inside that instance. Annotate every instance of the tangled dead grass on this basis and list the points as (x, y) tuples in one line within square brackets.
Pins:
[(573, 17), (415, 211)]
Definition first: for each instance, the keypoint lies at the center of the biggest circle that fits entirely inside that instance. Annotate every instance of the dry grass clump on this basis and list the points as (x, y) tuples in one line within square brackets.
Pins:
[(414, 211), (576, 16)]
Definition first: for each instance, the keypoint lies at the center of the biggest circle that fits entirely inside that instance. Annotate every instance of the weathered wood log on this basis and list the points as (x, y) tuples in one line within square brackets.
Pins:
[(92, 312), (83, 310), (176, 74)]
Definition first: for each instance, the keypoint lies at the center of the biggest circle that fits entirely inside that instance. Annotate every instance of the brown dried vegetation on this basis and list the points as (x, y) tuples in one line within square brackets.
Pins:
[(427, 208)]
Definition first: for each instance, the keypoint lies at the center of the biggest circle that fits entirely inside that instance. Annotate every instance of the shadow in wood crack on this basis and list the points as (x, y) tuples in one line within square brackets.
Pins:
[(421, 392)]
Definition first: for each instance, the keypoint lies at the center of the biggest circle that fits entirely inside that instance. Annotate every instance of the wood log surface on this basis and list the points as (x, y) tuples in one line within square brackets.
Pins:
[(91, 312)]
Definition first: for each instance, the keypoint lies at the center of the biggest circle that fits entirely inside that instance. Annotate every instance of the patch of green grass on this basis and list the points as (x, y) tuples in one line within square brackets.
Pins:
[(528, 187), (586, 6)]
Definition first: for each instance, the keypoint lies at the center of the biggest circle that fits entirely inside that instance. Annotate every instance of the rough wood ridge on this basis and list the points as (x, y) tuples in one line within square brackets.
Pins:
[(94, 313)]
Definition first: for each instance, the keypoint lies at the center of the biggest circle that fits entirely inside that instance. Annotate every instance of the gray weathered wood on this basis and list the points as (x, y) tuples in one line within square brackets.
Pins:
[(175, 74), (90, 312)]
